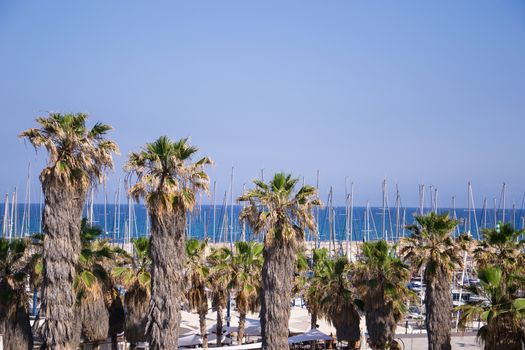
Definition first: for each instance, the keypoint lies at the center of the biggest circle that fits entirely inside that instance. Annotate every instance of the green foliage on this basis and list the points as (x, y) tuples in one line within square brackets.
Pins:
[(501, 309), (78, 156), (166, 177), (273, 208), (196, 274), (432, 245), (14, 267), (97, 257), (135, 269)]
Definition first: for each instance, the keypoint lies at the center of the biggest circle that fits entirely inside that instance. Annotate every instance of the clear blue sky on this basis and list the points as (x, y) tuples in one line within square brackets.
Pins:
[(415, 91)]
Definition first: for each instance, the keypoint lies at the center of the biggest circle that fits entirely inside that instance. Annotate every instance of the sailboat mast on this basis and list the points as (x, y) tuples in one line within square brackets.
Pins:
[(454, 215), (105, 209), (347, 224), (214, 214), (495, 212), (118, 211), (504, 200), (468, 223), (28, 200), (351, 218), (384, 234), (330, 223), (243, 232), (421, 199), (91, 206), (232, 222), (436, 200), (5, 221), (317, 213), (115, 216), (12, 229), (398, 209), (485, 212)]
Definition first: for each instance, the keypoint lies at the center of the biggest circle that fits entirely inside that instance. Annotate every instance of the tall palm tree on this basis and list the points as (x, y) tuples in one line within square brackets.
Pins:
[(283, 215), (433, 247), (338, 303), (93, 283), (245, 280), (197, 273), (315, 285), (219, 277), (502, 311), (77, 159), (136, 278), (502, 247), (168, 181), (300, 274), (15, 267), (381, 279)]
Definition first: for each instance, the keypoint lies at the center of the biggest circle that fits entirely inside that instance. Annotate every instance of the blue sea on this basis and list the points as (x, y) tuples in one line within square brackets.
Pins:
[(222, 225)]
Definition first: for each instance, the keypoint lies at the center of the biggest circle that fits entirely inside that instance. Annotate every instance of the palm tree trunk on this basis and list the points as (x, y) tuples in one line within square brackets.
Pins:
[(219, 325), (168, 254), (94, 317), (313, 320), (202, 324), (277, 283), (136, 301), (379, 316), (61, 225), (15, 321), (377, 324), (242, 326), (438, 305)]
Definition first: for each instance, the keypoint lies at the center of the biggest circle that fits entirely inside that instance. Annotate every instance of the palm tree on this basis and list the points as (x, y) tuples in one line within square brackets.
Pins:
[(432, 246), (501, 247), (93, 283), (381, 279), (300, 273), (315, 285), (15, 268), (169, 182), (196, 279), (338, 303), (219, 261), (77, 158), (135, 277), (245, 280), (503, 313), (274, 209)]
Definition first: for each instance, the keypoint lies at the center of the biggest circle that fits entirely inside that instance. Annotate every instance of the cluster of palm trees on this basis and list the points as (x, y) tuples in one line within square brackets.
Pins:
[(81, 276)]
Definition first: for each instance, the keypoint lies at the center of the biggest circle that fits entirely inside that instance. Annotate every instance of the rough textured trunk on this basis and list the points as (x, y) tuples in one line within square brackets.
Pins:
[(61, 224), (242, 327), (277, 283), (438, 305), (378, 324), (379, 319), (313, 325), (346, 323), (116, 318), (203, 310), (14, 317), (219, 325), (313, 320), (503, 332), (168, 255), (136, 302), (94, 317)]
